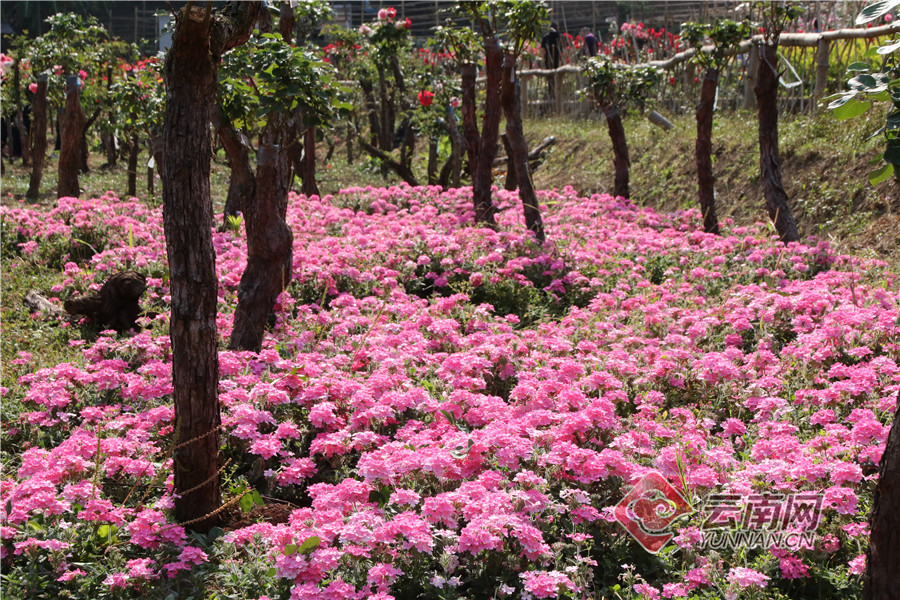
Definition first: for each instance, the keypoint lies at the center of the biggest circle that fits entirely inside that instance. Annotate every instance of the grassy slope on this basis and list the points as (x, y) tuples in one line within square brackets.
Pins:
[(825, 165)]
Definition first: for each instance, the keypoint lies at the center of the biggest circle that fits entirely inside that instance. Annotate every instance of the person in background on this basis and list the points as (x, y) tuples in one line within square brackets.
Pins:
[(550, 44), (591, 44)]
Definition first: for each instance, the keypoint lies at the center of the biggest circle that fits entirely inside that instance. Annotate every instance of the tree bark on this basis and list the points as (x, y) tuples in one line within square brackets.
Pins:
[(39, 137), (134, 150), (511, 178), (450, 173), (286, 22), (518, 148), (269, 250), (309, 187), (198, 42), (85, 150), (769, 162), (403, 171), (468, 73), (70, 145), (241, 183), (432, 170), (19, 118), (880, 582), (621, 162), (706, 181), (483, 175)]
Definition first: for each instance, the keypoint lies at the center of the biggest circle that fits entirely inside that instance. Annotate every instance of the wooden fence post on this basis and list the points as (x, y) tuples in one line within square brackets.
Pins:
[(823, 50), (750, 78)]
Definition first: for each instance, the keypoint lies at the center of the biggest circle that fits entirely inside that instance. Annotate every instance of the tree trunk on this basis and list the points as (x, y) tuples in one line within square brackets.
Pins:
[(450, 174), (432, 172), (198, 42), (882, 557), (85, 150), (19, 119), (70, 145), (39, 137), (468, 73), (286, 22), (269, 250), (403, 171), (309, 187), (349, 144), (621, 162), (518, 148), (371, 110), (483, 175), (134, 150), (241, 183), (511, 179), (705, 179), (769, 162)]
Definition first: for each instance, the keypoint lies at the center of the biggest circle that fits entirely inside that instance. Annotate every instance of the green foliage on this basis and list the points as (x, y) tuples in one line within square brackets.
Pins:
[(723, 35), (869, 86), (266, 80), (619, 84)]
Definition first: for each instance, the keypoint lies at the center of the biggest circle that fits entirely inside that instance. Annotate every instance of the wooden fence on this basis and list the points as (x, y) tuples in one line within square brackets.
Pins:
[(812, 65)]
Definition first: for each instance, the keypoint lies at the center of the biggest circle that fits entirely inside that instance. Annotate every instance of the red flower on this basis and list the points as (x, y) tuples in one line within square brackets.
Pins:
[(426, 98), (407, 23)]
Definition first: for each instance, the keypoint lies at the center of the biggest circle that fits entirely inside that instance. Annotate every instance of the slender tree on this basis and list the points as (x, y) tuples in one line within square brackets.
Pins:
[(199, 40), (613, 86), (70, 152), (776, 15), (722, 36)]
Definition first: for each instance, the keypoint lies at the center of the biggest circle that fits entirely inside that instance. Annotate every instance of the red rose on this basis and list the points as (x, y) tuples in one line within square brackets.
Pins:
[(426, 98)]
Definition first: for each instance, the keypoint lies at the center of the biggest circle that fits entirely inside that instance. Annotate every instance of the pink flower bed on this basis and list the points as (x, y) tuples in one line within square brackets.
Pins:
[(454, 411)]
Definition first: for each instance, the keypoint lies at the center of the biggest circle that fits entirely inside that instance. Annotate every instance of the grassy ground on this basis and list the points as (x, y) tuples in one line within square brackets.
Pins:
[(825, 163)]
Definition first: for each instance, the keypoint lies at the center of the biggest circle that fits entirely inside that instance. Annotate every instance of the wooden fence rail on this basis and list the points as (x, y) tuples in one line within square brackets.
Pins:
[(804, 93)]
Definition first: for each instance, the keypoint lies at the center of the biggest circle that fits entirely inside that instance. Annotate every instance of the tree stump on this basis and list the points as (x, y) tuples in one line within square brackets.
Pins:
[(116, 305)]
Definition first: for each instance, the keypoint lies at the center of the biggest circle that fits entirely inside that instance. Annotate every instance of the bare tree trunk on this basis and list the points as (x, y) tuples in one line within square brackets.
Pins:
[(468, 73), (309, 187), (286, 22), (450, 173), (621, 162), (483, 175), (85, 150), (241, 183), (39, 137), (705, 179), (134, 149), (371, 111), (70, 146), (517, 148), (350, 135), (432, 171), (882, 557), (769, 161), (198, 42), (269, 250), (19, 118)]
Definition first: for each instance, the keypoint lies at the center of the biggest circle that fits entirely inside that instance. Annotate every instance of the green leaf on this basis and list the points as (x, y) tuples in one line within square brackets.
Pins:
[(892, 154), (290, 549), (876, 10), (103, 531), (257, 499), (271, 573), (840, 100), (450, 416), (858, 66), (246, 503), (879, 175), (888, 49), (309, 545), (853, 108), (215, 533)]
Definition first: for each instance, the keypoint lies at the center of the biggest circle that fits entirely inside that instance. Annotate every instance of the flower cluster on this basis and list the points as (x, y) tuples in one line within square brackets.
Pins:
[(460, 407)]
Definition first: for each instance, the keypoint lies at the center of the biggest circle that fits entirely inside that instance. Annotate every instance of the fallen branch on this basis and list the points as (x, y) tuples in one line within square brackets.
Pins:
[(533, 155), (38, 303)]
